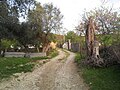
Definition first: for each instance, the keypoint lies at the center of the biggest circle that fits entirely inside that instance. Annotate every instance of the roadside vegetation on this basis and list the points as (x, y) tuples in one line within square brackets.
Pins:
[(53, 53), (9, 66), (35, 30), (107, 78), (12, 65), (99, 56)]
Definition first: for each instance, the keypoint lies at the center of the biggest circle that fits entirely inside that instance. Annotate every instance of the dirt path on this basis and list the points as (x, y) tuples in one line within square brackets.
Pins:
[(58, 74)]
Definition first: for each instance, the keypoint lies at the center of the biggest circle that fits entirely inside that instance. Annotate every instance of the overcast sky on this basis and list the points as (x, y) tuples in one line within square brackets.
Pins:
[(72, 9)]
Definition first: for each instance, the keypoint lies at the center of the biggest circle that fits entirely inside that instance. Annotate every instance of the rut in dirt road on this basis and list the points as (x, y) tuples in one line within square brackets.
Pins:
[(67, 77), (58, 74)]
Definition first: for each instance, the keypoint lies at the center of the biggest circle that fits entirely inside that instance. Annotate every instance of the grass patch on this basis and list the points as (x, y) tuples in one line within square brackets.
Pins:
[(53, 53), (101, 78), (39, 58), (79, 57), (9, 66)]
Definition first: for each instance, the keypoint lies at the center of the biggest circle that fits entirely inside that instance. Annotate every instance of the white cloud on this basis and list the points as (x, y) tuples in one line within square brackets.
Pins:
[(72, 9)]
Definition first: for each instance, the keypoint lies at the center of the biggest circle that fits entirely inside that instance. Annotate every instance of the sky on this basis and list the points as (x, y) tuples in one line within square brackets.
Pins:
[(73, 9)]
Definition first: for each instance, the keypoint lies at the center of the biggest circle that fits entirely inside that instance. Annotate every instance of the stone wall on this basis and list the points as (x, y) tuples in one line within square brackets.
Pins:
[(14, 54), (22, 54), (35, 54)]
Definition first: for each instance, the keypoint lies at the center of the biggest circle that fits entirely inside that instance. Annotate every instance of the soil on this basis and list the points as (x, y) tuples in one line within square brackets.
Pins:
[(60, 73)]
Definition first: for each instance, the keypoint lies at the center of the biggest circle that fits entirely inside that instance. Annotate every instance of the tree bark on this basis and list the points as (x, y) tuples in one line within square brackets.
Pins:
[(90, 37), (92, 45), (46, 47)]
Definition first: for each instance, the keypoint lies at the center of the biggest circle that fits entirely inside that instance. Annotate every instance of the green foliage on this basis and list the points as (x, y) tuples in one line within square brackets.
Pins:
[(78, 57), (116, 39), (39, 58), (53, 53), (36, 31), (44, 21), (6, 43), (110, 39), (53, 18), (11, 10), (72, 36), (107, 40)]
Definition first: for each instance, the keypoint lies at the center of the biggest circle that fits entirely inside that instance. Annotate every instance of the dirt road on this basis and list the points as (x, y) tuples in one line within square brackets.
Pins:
[(60, 73)]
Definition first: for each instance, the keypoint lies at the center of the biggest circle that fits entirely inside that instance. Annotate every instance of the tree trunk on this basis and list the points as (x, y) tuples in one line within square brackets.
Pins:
[(93, 57), (90, 37), (46, 47), (38, 49)]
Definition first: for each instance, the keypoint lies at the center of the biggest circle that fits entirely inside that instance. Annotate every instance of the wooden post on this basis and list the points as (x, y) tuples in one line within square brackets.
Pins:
[(69, 44)]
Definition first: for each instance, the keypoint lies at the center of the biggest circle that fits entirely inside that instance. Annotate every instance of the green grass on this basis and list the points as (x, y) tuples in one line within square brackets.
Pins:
[(53, 53), (101, 78), (78, 57), (39, 58), (9, 66)]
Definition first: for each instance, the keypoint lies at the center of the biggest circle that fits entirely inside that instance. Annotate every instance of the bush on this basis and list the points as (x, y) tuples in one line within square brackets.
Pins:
[(110, 54)]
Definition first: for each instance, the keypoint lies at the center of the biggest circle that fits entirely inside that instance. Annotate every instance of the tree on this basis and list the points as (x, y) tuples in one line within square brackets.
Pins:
[(25, 35), (92, 45), (52, 22), (72, 36), (80, 29), (44, 20), (106, 18), (9, 16), (11, 10), (35, 18), (6, 21), (8, 24), (100, 24)]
